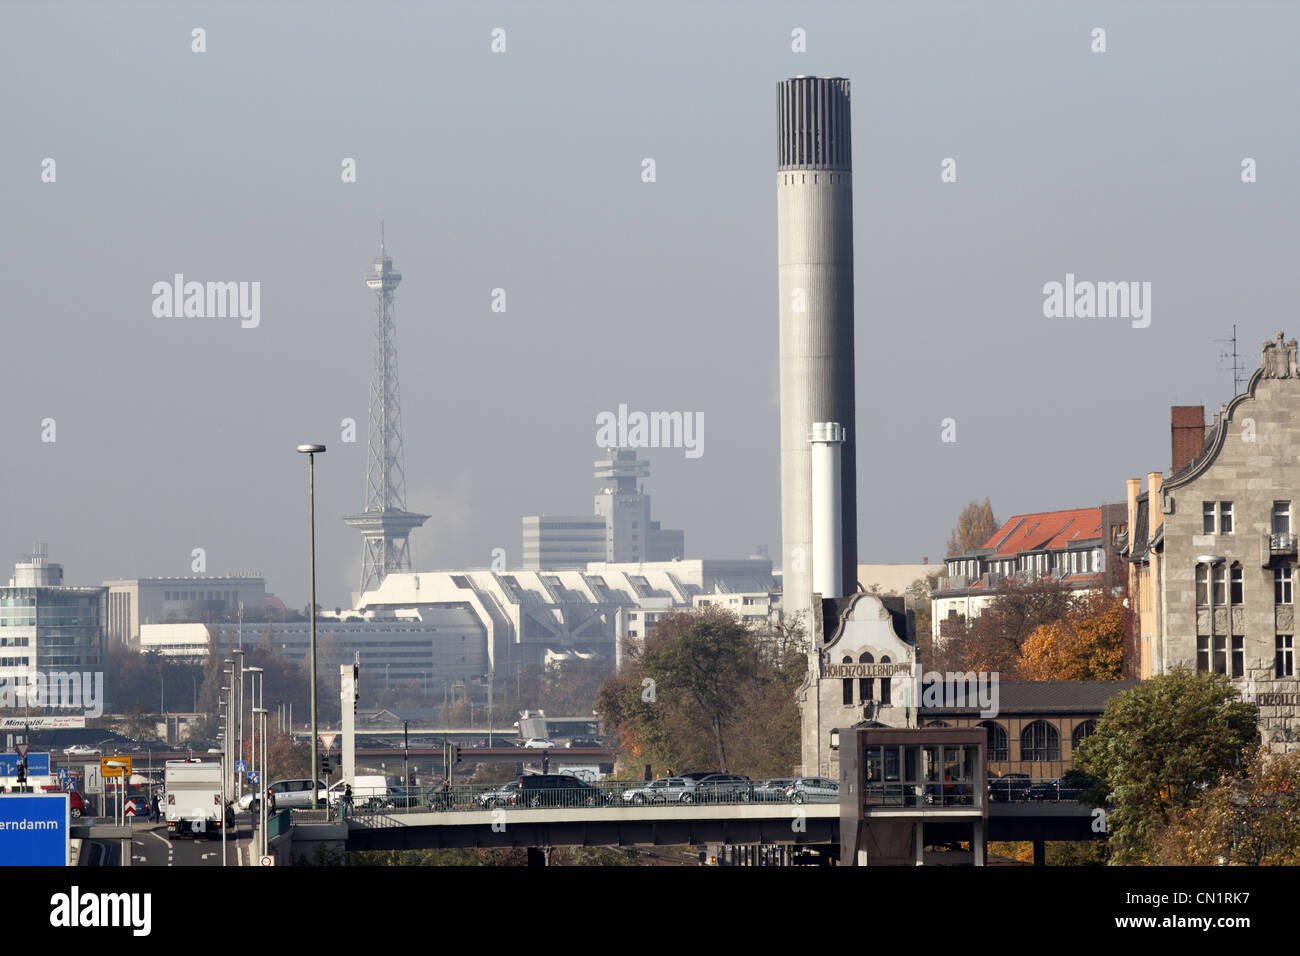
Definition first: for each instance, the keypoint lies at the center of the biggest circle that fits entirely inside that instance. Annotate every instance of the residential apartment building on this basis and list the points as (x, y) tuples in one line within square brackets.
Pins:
[(1070, 547)]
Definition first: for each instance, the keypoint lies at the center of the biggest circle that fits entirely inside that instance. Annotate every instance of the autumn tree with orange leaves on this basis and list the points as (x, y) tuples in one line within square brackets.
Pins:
[(1085, 644)]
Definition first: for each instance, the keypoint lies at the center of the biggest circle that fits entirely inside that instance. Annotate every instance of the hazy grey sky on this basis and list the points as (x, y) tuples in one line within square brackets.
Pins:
[(522, 171)]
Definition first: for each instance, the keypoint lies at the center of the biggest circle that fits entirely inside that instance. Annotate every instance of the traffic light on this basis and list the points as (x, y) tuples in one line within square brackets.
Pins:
[(22, 771), (325, 764), (455, 754)]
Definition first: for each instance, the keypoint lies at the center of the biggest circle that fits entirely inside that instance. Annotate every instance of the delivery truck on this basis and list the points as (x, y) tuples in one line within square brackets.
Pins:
[(192, 804)]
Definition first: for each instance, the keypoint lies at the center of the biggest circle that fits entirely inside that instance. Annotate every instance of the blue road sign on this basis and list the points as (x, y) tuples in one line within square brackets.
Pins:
[(241, 766), (62, 773), (254, 776), (38, 765), (34, 829)]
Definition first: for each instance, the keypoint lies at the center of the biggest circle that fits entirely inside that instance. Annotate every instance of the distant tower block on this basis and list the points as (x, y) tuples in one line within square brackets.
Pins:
[(385, 524), (814, 201)]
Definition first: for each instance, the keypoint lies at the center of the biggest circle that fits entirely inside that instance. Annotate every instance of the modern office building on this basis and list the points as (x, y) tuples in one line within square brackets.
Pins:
[(619, 531), (188, 643), (46, 625), (134, 602), (563, 541), (429, 645), (815, 287), (1212, 555)]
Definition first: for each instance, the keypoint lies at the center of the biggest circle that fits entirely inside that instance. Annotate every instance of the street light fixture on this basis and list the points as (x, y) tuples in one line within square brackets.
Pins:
[(311, 451)]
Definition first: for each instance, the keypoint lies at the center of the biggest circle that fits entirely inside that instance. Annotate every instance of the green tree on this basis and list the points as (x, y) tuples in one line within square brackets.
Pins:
[(1158, 746), (705, 691), (1251, 819), (975, 525)]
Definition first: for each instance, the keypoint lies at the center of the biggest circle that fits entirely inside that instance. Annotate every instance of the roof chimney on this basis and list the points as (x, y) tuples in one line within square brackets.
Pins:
[(1187, 428)]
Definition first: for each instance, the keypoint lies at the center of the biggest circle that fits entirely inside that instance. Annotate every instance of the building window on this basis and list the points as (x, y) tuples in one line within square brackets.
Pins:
[(866, 689), (885, 699), (999, 746), (1223, 511), (1202, 585), (1284, 663), (1082, 731), (1220, 661), (1236, 584), (1220, 573), (1238, 655), (847, 684), (1282, 585), (1040, 742), (1281, 517)]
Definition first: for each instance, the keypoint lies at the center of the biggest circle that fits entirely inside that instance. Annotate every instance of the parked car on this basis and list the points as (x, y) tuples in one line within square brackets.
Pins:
[(813, 790), (294, 793), (1009, 787), (82, 750), (498, 796), (583, 743), (556, 790), (76, 806), (1071, 785), (724, 788), (662, 790), (772, 790), (538, 743)]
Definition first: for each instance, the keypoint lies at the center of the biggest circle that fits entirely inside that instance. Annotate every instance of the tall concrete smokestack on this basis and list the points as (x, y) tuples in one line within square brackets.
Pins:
[(827, 518), (814, 202)]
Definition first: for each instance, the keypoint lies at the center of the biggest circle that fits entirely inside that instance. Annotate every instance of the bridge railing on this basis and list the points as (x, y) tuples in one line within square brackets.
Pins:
[(629, 793)]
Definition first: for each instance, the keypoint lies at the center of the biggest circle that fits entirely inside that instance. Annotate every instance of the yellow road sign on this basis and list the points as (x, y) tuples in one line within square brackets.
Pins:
[(114, 766)]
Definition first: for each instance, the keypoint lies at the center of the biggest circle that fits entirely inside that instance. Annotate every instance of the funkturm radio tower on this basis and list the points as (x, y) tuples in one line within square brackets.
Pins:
[(385, 524)]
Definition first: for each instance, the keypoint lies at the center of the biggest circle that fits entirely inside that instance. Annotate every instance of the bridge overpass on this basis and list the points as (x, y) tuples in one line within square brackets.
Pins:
[(734, 824)]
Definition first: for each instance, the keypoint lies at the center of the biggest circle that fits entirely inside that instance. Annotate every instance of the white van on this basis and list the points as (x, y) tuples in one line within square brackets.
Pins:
[(366, 790)]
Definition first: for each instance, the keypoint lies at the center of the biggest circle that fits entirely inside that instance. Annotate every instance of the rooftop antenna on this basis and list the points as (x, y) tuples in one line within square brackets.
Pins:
[(1238, 373)]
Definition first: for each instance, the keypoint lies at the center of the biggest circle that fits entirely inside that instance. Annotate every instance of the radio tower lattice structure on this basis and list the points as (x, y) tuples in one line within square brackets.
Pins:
[(385, 524)]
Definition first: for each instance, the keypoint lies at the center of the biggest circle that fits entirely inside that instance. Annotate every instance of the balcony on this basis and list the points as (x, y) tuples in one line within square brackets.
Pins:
[(1277, 547)]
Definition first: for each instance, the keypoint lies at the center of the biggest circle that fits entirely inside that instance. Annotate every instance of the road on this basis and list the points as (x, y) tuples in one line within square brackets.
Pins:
[(150, 846)]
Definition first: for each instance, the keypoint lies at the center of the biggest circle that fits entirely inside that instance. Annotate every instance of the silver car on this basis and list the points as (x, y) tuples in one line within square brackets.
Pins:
[(663, 790), (813, 790), (773, 790)]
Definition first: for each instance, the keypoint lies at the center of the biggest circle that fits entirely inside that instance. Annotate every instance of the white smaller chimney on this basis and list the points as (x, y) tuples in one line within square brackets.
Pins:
[(827, 507)]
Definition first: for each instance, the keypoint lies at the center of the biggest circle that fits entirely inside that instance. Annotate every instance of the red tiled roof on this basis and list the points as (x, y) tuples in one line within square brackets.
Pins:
[(1046, 529)]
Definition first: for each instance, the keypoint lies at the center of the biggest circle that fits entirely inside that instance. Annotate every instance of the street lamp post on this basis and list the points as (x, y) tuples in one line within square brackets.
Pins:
[(239, 720), (311, 451), (257, 678)]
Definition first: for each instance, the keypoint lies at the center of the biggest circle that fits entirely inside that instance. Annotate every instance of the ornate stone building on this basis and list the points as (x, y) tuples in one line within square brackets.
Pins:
[(861, 672), (1212, 547)]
